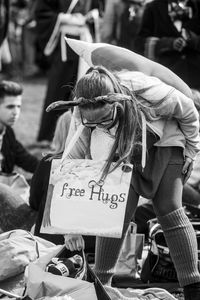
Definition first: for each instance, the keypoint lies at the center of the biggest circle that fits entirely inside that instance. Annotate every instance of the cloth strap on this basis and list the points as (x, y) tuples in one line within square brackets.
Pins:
[(72, 142), (72, 5), (144, 140)]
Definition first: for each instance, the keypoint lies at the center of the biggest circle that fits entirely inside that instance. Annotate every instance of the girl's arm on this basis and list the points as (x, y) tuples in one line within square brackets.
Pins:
[(174, 105), (182, 108), (82, 145)]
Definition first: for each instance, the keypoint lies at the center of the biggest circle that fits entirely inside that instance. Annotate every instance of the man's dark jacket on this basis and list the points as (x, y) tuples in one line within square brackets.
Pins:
[(157, 23), (15, 154)]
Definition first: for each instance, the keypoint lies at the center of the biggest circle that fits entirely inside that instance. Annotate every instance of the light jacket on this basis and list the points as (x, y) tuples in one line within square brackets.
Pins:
[(176, 121)]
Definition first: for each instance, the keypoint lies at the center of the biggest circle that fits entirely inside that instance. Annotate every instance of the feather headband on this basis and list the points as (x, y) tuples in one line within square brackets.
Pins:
[(109, 98)]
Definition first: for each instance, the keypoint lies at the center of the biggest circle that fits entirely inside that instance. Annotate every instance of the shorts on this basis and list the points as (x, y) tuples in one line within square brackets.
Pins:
[(146, 182)]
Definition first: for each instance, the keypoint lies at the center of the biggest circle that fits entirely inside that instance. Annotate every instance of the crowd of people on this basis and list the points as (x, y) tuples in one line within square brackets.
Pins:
[(146, 102)]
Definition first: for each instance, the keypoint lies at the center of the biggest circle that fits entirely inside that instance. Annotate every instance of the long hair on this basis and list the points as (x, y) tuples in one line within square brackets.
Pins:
[(100, 87)]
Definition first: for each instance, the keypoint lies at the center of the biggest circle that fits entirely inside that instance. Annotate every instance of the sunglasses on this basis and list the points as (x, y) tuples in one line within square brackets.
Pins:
[(102, 123)]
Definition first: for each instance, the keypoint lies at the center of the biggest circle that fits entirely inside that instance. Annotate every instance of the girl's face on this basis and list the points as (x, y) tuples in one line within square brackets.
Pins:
[(99, 117)]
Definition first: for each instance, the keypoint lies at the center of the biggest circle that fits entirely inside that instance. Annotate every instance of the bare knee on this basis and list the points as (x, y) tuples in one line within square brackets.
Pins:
[(166, 208)]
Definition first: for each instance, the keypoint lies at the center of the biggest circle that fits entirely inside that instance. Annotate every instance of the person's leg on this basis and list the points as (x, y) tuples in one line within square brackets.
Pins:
[(108, 249), (28, 50), (191, 196), (143, 214), (61, 80), (179, 232)]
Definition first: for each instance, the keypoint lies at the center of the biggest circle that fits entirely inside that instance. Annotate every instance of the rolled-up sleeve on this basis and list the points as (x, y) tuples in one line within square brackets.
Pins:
[(168, 103), (81, 147), (182, 108)]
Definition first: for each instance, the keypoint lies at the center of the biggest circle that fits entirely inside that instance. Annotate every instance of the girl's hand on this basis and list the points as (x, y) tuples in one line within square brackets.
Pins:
[(187, 168), (74, 242)]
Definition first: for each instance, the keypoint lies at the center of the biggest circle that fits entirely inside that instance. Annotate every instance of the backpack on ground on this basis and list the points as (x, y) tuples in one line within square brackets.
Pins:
[(158, 266)]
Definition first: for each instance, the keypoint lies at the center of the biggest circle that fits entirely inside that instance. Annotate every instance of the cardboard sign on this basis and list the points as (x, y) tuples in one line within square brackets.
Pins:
[(78, 203)]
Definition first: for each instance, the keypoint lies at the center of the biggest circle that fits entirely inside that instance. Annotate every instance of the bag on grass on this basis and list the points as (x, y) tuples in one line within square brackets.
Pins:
[(17, 182), (15, 213), (42, 283), (127, 264), (17, 249), (158, 266)]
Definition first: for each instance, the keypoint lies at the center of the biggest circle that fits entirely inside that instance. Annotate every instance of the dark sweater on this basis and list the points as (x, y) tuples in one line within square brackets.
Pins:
[(157, 23), (15, 154), (37, 200)]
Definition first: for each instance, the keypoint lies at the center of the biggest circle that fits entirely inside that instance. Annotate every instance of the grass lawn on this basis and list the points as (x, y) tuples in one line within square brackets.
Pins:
[(27, 126)]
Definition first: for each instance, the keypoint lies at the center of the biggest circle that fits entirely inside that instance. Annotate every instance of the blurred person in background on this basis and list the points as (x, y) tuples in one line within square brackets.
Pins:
[(54, 20), (19, 59), (170, 35), (121, 22), (4, 22), (31, 64), (17, 16)]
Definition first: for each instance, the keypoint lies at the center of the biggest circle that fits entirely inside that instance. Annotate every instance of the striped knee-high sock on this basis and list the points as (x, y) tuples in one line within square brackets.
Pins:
[(107, 250), (106, 256), (181, 239)]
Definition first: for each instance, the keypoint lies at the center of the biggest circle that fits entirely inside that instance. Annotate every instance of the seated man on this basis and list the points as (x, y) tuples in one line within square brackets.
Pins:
[(12, 154)]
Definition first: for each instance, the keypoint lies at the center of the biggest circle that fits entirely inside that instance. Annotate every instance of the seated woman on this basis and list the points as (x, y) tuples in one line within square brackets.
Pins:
[(40, 179), (40, 182)]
